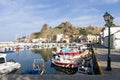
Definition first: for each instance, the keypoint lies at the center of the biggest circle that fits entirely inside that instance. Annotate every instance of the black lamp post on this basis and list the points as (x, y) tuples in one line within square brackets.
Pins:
[(109, 22)]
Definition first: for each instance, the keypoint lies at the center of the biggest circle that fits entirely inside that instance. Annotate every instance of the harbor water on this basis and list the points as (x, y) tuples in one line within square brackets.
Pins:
[(87, 64), (26, 58)]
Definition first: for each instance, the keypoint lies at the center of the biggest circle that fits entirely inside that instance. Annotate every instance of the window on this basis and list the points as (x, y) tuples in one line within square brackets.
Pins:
[(2, 60)]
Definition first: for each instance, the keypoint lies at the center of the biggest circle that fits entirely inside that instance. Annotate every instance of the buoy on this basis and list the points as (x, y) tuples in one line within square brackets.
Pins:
[(33, 65), (43, 65)]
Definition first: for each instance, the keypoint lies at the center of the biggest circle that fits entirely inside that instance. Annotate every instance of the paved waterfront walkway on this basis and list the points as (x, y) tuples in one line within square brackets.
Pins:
[(101, 54), (115, 63)]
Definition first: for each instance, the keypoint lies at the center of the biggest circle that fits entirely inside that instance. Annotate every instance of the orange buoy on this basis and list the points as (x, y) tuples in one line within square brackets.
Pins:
[(33, 65), (43, 65)]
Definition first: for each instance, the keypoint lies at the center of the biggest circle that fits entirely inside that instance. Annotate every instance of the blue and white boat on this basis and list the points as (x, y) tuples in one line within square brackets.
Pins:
[(38, 67), (6, 50)]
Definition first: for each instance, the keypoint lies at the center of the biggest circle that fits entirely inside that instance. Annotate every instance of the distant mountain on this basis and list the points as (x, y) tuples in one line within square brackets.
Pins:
[(65, 28)]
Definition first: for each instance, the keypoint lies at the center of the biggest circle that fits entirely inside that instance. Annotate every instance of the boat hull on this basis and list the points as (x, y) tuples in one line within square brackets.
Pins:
[(9, 67), (66, 64), (65, 70)]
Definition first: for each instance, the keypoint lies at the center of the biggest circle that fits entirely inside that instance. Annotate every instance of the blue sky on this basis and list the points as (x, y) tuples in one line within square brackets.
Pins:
[(22, 17)]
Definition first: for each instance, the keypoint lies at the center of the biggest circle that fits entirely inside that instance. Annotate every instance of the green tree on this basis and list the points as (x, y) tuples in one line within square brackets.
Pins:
[(64, 41), (83, 31), (71, 38)]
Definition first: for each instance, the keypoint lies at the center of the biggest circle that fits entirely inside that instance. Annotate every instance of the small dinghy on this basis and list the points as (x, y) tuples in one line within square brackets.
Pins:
[(37, 67)]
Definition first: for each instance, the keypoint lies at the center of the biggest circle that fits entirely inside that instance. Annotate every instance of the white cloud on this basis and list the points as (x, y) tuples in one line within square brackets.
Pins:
[(85, 20), (17, 14), (85, 10), (110, 1), (81, 21), (5, 2), (36, 6), (15, 18), (105, 1)]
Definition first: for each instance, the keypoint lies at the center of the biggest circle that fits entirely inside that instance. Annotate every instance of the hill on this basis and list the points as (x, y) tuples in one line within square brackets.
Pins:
[(65, 28)]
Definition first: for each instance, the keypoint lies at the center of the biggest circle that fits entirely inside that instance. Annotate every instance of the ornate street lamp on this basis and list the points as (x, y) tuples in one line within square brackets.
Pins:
[(109, 22)]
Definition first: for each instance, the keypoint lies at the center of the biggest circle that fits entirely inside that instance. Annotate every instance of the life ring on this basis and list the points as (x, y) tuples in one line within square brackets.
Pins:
[(43, 65), (33, 65)]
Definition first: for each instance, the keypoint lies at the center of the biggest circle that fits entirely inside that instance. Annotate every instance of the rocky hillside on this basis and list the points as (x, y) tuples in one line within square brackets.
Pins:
[(64, 28)]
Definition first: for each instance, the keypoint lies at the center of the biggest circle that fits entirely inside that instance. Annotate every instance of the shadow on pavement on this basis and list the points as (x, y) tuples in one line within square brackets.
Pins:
[(114, 57), (98, 46)]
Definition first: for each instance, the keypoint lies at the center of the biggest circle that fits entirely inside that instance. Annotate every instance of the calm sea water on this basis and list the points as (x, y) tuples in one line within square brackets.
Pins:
[(26, 58)]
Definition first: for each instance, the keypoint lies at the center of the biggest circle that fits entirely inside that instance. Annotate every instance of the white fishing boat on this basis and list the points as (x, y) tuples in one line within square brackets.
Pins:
[(66, 58), (7, 66)]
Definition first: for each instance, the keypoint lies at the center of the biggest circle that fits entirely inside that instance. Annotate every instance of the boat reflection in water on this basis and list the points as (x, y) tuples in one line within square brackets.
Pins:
[(65, 70)]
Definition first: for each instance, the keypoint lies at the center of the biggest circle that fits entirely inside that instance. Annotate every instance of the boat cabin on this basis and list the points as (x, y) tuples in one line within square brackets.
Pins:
[(2, 58)]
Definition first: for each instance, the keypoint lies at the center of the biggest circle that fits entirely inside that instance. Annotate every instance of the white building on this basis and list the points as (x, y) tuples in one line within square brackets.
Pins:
[(101, 38), (93, 38), (112, 30), (116, 40), (59, 37), (40, 40), (105, 41), (104, 36), (66, 38), (89, 37)]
